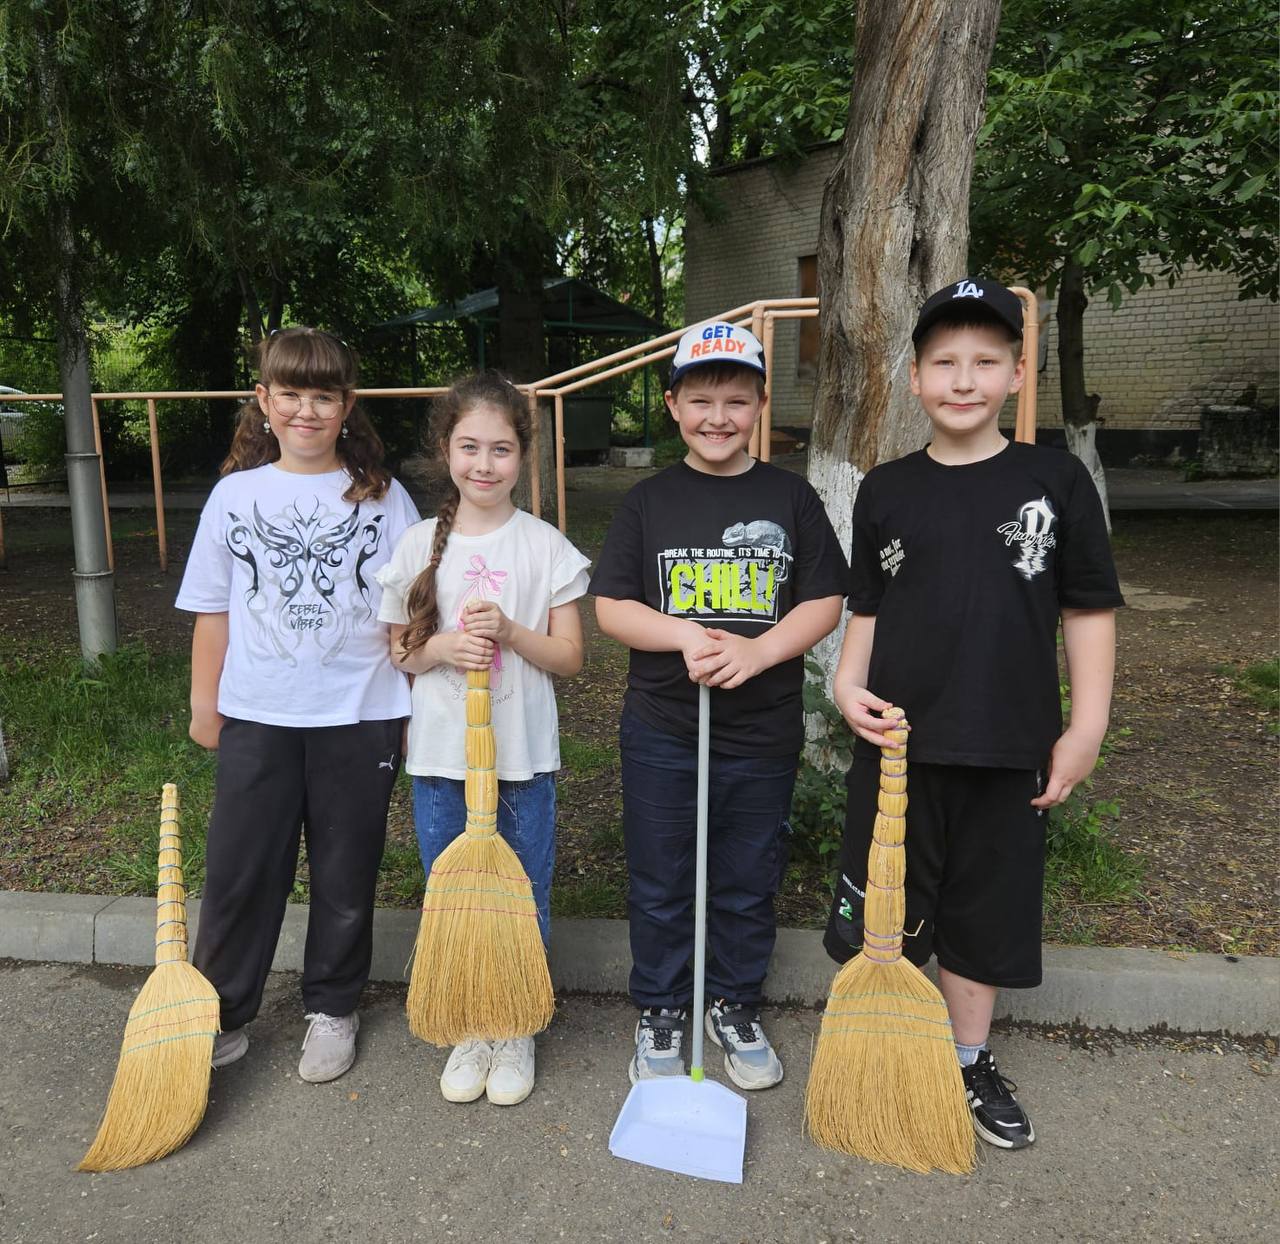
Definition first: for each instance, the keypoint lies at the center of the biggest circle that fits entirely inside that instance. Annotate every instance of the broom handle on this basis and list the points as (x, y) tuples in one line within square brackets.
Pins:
[(700, 874), (481, 788), (171, 892)]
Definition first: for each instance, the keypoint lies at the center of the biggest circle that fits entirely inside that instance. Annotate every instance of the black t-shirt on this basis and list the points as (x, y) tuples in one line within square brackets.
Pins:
[(966, 569), (737, 552)]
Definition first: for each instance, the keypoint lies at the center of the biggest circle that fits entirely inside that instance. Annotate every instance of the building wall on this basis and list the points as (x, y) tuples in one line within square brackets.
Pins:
[(768, 221), (1155, 361)]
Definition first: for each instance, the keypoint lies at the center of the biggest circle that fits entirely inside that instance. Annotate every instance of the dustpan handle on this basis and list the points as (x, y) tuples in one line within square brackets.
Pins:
[(700, 883)]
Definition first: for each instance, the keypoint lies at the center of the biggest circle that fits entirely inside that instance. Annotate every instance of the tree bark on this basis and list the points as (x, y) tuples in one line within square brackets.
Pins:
[(894, 228), (1079, 409), (94, 581), (657, 295)]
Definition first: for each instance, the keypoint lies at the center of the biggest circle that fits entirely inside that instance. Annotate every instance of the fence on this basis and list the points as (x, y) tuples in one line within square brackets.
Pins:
[(761, 316)]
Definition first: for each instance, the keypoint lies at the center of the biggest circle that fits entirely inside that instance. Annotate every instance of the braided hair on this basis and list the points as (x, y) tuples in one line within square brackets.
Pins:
[(488, 389)]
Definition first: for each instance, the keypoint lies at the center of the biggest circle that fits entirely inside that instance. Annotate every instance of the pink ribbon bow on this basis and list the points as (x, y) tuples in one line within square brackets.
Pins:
[(479, 580)]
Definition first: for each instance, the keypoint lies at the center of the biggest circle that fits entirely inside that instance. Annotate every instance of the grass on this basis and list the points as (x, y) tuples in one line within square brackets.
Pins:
[(99, 742), (1261, 683), (585, 758)]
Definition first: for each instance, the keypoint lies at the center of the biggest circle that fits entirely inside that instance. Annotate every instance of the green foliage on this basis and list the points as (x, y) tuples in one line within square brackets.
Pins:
[(1260, 681), (585, 758), (1083, 863), (818, 804), (1128, 150)]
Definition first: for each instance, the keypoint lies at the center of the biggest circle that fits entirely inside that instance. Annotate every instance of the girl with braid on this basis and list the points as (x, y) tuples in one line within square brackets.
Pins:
[(485, 585)]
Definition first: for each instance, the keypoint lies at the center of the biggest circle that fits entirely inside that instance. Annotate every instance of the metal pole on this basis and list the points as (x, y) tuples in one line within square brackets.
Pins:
[(535, 463), (766, 414), (757, 327), (560, 515), (157, 485), (102, 479)]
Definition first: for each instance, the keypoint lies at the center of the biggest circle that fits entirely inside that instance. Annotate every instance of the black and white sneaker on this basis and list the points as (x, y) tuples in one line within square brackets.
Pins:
[(659, 1037), (749, 1059), (997, 1116)]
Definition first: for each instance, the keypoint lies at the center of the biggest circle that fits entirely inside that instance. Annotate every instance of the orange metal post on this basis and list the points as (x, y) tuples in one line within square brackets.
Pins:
[(535, 468), (766, 414), (757, 327), (102, 478), (1025, 426), (560, 514), (156, 483)]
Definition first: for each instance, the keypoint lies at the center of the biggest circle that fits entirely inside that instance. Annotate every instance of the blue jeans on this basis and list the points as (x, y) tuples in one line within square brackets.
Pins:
[(526, 819), (747, 849)]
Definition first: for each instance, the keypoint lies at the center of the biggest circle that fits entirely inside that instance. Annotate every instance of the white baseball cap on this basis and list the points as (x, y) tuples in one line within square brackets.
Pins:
[(717, 341)]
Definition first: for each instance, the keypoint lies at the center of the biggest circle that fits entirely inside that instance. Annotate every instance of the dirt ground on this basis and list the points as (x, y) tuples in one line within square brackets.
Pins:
[(1193, 769)]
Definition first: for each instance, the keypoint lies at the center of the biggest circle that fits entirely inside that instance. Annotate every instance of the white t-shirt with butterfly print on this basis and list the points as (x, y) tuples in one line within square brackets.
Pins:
[(528, 568), (294, 566)]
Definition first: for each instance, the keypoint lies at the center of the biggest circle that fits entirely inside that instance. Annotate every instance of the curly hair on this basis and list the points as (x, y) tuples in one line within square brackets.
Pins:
[(486, 389), (309, 358)]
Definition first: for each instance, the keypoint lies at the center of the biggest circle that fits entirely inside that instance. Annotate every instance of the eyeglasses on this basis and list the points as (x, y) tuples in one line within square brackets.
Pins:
[(323, 406)]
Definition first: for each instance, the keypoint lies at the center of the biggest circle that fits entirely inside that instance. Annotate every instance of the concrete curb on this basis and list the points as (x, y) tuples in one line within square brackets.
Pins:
[(1128, 990)]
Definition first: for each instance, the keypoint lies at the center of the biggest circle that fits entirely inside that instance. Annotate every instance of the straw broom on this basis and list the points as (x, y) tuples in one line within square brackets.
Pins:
[(161, 1086), (480, 968), (885, 1083)]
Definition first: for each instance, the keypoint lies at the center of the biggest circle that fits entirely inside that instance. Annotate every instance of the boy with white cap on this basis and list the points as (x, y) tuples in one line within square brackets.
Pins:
[(720, 570), (965, 556)]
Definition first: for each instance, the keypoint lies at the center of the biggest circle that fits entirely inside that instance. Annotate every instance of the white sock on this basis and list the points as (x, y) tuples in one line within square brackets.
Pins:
[(968, 1054)]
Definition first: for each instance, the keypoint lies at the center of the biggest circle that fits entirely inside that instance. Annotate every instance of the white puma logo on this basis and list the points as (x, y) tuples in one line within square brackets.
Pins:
[(389, 763)]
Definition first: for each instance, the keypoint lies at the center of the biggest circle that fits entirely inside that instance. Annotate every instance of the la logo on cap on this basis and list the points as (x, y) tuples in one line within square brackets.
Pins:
[(967, 289)]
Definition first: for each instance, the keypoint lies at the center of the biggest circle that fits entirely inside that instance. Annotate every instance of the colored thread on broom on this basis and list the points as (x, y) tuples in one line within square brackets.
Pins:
[(888, 1032), (212, 1017), (168, 1006), (186, 1036), (923, 1019), (497, 911), (457, 872), (905, 997), (480, 890)]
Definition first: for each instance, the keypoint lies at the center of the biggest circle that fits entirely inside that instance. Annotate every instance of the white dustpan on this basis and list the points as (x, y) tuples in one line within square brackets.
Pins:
[(688, 1124)]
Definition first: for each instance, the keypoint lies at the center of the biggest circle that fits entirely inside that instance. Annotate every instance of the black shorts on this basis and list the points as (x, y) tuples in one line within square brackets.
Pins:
[(975, 870)]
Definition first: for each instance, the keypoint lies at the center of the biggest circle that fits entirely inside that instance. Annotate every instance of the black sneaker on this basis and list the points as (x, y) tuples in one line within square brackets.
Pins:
[(659, 1037), (997, 1117)]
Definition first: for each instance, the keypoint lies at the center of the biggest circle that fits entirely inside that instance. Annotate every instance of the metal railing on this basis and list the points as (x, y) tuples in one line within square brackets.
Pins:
[(761, 316)]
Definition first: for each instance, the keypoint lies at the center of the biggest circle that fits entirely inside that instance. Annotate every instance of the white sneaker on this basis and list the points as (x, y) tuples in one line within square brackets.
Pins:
[(511, 1074), (467, 1070), (329, 1048), (749, 1059)]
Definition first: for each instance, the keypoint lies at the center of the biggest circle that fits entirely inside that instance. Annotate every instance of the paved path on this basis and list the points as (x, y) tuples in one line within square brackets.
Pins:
[(1136, 1142)]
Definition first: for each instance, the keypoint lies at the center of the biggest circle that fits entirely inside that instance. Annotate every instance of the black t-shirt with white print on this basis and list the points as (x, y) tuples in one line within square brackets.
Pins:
[(967, 569), (737, 552)]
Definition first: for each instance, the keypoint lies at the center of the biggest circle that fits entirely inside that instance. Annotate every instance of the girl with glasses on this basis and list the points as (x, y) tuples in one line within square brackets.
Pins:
[(290, 683)]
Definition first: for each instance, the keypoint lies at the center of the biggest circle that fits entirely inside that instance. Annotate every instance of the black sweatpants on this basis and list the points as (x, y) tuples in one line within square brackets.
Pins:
[(274, 781)]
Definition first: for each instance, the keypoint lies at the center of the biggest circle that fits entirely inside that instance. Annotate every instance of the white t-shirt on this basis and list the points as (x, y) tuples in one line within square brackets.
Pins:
[(295, 568), (528, 568)]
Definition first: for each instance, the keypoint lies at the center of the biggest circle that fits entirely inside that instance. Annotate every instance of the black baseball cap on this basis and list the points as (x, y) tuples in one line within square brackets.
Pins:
[(962, 300)]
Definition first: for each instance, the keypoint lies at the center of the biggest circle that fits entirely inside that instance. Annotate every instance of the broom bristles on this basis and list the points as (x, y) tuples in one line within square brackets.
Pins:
[(480, 968), (161, 1085), (885, 1083)]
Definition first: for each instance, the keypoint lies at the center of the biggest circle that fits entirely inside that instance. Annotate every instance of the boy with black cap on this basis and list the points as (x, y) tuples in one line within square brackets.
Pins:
[(965, 556), (720, 570)]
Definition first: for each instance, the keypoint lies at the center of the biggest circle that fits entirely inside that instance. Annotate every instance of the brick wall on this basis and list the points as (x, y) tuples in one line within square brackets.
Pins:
[(1156, 361), (767, 222)]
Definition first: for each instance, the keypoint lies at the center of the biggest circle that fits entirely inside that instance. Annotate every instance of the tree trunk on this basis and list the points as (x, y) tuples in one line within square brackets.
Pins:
[(894, 228), (94, 581), (657, 295), (1079, 409)]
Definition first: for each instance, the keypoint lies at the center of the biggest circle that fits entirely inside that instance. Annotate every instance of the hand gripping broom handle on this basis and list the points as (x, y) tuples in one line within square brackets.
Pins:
[(171, 891), (700, 883), (482, 772), (885, 907)]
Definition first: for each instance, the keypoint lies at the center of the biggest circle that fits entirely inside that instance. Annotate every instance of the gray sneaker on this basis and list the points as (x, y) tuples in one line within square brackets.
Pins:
[(329, 1048), (659, 1036), (230, 1047), (748, 1057)]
